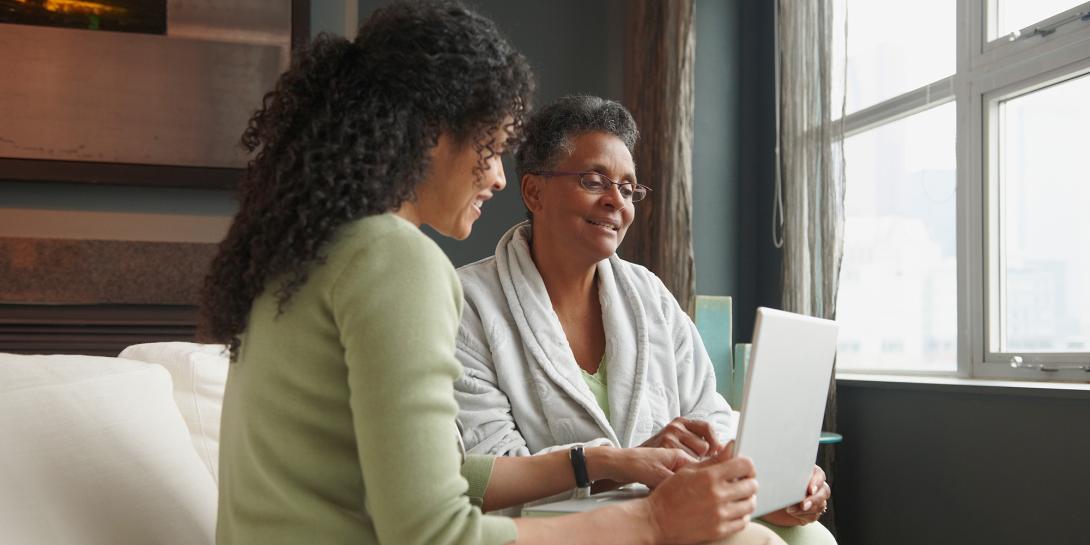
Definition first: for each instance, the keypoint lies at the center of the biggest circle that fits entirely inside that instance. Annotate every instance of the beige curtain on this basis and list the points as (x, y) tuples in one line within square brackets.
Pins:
[(658, 89), (810, 174)]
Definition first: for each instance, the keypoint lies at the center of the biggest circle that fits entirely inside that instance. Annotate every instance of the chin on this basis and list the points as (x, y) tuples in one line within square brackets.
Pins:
[(461, 232), (456, 232)]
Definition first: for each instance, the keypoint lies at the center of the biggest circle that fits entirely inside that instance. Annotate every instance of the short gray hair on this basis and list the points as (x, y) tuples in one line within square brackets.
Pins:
[(548, 131)]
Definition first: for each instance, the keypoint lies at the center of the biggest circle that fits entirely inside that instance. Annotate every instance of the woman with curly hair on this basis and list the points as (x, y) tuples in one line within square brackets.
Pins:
[(339, 419)]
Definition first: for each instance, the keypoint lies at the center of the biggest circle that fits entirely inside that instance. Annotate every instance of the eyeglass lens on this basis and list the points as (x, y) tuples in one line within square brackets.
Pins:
[(596, 183)]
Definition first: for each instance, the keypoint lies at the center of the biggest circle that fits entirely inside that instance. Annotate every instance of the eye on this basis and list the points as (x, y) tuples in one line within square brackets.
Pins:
[(594, 182), (626, 190)]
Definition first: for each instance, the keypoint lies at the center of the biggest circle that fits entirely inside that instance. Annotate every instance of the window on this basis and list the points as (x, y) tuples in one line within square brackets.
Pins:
[(898, 290), (1015, 15), (967, 229), (886, 60)]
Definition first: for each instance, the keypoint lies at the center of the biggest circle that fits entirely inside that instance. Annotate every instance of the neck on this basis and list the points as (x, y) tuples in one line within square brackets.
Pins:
[(568, 279), (408, 211)]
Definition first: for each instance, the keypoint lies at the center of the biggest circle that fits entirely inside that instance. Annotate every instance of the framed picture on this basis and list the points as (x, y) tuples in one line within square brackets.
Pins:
[(137, 92), (125, 92)]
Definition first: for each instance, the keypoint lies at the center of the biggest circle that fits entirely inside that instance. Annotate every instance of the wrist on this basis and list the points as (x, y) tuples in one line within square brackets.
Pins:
[(601, 462), (643, 517)]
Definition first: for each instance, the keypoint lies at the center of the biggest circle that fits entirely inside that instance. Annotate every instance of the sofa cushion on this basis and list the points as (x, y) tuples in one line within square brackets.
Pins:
[(199, 372), (95, 452)]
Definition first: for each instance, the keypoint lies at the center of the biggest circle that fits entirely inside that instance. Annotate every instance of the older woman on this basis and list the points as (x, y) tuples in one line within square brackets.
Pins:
[(563, 342)]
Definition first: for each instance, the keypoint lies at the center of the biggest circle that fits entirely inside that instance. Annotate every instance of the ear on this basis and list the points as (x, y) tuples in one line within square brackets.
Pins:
[(531, 192)]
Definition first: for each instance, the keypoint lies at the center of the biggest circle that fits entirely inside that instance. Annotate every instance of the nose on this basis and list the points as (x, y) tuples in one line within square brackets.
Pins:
[(499, 179), (612, 198)]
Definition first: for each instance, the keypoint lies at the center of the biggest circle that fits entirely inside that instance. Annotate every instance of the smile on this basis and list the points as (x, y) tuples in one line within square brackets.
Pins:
[(608, 225)]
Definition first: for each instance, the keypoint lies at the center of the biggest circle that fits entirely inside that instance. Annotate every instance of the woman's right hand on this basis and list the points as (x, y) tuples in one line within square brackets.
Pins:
[(705, 501), (649, 466)]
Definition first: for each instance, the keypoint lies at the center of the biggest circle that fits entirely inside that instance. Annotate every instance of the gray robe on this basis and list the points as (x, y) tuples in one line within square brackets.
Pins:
[(523, 393)]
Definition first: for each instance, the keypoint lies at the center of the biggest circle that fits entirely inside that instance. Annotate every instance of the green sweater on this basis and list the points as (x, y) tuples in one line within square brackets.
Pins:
[(339, 416)]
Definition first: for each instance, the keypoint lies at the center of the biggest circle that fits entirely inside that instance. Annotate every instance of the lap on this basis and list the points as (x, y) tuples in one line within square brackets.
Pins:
[(752, 534), (810, 534)]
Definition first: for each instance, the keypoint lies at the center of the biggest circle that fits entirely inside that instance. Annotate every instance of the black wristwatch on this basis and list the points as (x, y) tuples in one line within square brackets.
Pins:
[(579, 466)]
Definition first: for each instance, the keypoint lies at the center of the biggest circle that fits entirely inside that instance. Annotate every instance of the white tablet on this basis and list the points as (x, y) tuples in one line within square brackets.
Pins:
[(784, 402)]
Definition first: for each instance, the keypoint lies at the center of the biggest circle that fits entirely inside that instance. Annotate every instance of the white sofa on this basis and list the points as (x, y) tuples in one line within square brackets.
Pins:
[(111, 450)]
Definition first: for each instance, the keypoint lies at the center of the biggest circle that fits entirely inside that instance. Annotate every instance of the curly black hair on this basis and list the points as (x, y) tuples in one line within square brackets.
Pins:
[(548, 132), (345, 134)]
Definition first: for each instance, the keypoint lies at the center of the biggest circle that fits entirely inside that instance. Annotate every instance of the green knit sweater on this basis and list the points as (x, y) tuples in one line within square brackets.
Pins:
[(339, 416)]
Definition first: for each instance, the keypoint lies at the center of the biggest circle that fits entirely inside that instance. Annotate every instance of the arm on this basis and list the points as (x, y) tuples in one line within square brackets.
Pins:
[(519, 480), (397, 311), (702, 502)]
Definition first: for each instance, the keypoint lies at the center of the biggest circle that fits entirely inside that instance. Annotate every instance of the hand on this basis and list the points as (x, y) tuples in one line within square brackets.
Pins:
[(649, 466), (817, 498), (704, 501), (810, 508), (695, 437)]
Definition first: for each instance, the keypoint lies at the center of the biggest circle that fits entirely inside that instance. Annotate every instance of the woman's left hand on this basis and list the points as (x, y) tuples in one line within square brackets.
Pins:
[(810, 508)]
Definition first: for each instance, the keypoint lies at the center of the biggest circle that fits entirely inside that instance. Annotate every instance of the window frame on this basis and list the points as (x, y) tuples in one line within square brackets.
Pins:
[(987, 72)]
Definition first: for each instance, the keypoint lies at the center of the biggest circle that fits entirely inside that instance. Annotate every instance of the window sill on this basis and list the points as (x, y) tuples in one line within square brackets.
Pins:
[(1080, 390)]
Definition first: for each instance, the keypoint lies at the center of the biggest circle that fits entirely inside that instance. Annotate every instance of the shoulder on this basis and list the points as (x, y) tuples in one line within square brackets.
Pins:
[(649, 286), (480, 279), (388, 234), (647, 282), (390, 247)]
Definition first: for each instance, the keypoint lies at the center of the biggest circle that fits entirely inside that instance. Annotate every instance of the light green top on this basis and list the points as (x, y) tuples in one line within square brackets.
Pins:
[(597, 384), (339, 417)]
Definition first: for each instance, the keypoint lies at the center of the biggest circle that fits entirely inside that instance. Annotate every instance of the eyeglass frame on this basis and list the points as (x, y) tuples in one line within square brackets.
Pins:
[(555, 173)]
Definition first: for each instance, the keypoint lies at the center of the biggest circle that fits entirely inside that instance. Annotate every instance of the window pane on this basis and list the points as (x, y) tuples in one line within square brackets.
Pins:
[(1011, 15), (1045, 244), (893, 47), (897, 303)]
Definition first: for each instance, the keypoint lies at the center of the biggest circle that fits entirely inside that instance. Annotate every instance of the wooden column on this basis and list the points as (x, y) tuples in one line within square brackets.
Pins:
[(658, 89)]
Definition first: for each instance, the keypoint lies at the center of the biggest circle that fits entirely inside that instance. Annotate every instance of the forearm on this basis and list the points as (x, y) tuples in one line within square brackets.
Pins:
[(520, 479), (629, 524)]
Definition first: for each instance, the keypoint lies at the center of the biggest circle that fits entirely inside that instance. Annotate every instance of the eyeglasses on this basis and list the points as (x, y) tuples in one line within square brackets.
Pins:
[(597, 183)]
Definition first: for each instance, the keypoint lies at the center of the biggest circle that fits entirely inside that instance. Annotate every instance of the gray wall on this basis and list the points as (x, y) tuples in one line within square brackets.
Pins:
[(733, 157), (715, 149), (960, 465), (574, 47)]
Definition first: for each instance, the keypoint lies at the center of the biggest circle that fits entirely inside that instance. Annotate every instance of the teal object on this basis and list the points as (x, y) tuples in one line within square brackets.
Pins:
[(713, 322), (741, 367), (830, 438)]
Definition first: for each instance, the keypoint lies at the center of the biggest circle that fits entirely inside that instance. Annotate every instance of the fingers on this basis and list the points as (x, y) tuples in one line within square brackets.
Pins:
[(726, 453), (741, 490), (695, 444), (677, 434), (817, 479), (681, 458), (819, 495), (673, 442), (811, 508), (740, 467), (704, 431)]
